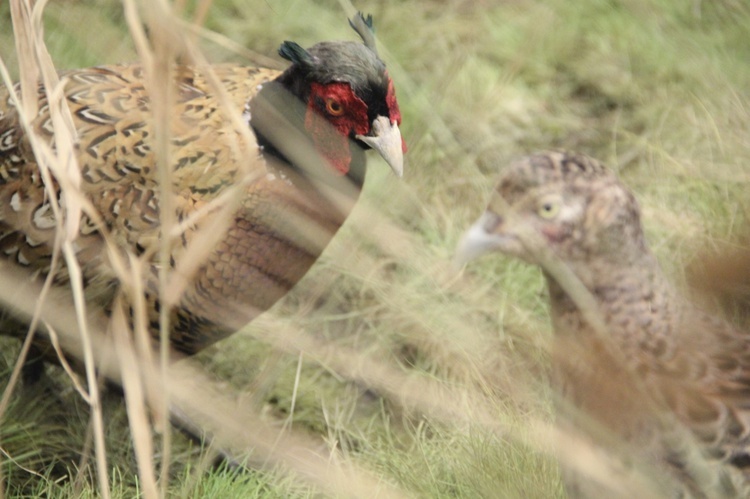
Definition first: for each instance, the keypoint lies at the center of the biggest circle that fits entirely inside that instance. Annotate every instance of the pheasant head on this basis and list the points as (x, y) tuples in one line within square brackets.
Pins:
[(563, 203), (344, 98)]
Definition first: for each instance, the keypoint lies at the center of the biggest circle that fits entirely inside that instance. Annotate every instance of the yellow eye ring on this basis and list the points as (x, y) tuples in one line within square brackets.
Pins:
[(549, 209), (334, 107)]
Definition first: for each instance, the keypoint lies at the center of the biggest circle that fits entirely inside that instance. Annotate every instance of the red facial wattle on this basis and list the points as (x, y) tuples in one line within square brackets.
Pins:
[(330, 131), (393, 110)]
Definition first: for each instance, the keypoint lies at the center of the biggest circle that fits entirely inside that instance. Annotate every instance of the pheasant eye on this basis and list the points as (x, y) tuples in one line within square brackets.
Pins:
[(548, 209), (334, 107)]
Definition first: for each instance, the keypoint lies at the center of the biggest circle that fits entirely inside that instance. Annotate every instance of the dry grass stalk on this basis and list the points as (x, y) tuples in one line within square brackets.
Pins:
[(37, 65), (190, 389)]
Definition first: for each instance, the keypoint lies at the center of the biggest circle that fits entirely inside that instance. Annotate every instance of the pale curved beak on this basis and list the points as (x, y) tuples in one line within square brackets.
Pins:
[(386, 139), (476, 241)]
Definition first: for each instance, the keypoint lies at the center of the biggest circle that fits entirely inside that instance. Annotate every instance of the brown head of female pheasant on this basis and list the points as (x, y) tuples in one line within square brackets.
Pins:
[(310, 125)]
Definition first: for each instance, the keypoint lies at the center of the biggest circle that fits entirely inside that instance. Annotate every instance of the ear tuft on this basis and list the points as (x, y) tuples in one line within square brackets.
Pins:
[(292, 51), (363, 26)]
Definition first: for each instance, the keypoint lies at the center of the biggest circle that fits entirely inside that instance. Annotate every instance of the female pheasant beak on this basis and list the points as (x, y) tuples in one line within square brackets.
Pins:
[(479, 239), (386, 139)]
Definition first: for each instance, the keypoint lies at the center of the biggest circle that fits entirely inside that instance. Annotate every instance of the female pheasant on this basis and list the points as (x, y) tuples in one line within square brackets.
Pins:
[(637, 358), (301, 174)]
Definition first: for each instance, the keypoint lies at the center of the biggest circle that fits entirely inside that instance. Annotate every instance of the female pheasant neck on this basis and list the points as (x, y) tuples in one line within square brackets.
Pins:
[(635, 299)]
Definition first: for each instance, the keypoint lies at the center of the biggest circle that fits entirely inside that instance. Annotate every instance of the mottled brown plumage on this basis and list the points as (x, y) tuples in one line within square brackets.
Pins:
[(656, 358), (334, 100)]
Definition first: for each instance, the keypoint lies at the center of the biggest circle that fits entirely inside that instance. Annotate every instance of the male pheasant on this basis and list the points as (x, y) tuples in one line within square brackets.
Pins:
[(301, 174), (638, 356)]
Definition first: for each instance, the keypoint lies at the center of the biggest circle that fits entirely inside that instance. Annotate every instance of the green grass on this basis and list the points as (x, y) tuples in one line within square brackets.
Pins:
[(657, 89)]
